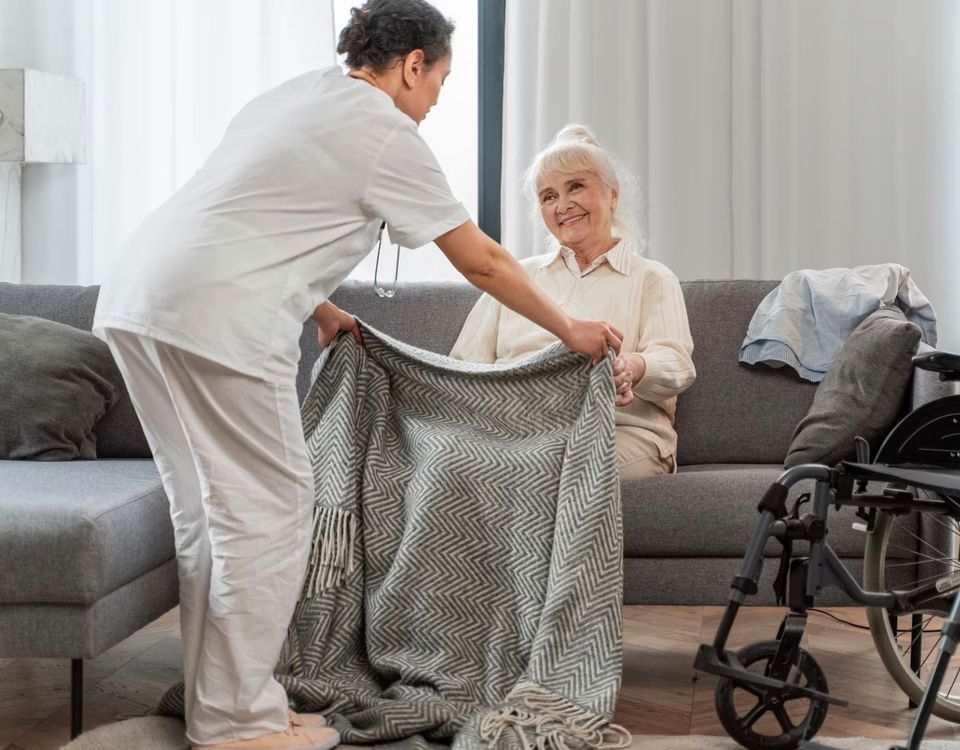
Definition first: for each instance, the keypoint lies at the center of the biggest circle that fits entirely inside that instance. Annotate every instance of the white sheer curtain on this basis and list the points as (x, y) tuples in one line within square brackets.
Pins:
[(767, 135), (166, 77), (163, 79)]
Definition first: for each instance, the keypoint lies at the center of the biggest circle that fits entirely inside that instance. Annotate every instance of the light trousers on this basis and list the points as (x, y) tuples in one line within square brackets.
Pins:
[(230, 451), (638, 457)]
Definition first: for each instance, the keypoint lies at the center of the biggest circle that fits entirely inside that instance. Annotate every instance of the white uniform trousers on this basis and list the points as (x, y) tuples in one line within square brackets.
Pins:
[(230, 451)]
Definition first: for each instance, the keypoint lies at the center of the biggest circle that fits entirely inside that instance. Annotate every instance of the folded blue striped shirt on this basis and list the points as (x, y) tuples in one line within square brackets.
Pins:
[(805, 321)]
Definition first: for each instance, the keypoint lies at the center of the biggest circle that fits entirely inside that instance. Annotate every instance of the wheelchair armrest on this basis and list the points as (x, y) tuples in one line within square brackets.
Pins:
[(945, 363)]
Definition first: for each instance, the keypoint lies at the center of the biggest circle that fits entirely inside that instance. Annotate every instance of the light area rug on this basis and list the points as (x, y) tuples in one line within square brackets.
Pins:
[(725, 743), (162, 733), (146, 733)]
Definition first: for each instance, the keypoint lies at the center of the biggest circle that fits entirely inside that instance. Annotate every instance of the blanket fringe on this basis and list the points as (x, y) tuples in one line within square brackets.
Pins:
[(331, 554), (546, 721)]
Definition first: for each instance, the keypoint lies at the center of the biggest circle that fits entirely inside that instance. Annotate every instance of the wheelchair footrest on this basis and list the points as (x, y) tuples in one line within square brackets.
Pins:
[(729, 666)]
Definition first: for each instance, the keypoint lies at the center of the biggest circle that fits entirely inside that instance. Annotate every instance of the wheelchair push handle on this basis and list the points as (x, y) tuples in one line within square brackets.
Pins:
[(945, 363)]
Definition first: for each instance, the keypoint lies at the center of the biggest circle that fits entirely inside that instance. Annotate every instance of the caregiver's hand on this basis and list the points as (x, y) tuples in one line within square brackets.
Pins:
[(593, 338), (331, 320)]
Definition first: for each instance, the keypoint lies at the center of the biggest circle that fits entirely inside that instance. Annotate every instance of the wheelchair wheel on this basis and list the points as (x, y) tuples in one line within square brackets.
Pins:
[(904, 550), (759, 721)]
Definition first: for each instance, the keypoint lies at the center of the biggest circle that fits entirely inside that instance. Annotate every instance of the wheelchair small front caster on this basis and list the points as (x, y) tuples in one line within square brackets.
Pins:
[(763, 718)]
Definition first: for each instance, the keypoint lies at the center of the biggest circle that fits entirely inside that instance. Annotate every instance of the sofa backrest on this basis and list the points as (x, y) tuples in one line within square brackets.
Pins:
[(733, 413), (425, 314)]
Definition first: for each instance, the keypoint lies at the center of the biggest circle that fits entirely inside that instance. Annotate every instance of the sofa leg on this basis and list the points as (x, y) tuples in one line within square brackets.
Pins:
[(76, 698)]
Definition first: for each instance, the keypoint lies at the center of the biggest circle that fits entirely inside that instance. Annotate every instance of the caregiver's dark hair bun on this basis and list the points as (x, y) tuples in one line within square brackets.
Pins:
[(382, 31)]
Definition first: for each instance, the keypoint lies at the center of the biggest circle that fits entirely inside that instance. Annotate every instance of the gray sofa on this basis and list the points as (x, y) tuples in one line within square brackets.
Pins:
[(86, 547)]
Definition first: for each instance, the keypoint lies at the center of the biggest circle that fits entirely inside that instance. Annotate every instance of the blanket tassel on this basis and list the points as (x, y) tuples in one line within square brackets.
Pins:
[(331, 553), (546, 721)]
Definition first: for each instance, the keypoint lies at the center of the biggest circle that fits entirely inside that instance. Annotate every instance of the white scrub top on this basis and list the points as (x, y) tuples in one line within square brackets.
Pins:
[(285, 207)]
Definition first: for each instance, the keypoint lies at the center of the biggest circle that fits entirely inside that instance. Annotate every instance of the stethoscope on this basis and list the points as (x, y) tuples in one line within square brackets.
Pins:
[(381, 292)]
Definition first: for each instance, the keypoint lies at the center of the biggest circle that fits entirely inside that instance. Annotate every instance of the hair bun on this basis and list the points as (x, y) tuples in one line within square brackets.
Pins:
[(355, 36), (576, 133)]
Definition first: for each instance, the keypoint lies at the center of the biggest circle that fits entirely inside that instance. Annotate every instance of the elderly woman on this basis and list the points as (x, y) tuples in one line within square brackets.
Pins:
[(595, 271)]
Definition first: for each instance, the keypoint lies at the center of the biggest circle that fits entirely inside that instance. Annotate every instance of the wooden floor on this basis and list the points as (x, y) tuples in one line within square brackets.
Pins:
[(662, 694)]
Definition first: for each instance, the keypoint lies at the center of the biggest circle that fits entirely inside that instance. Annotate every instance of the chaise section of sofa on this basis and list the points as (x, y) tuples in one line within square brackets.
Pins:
[(86, 547), (80, 541)]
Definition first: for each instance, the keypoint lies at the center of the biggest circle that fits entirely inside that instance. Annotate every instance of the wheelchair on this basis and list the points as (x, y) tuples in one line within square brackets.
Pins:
[(772, 695)]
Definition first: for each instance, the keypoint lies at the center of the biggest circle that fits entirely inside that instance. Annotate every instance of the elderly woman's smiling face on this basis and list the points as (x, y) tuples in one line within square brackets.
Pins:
[(577, 208)]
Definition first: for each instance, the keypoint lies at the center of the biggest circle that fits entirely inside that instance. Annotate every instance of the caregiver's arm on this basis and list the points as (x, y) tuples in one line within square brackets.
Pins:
[(488, 266)]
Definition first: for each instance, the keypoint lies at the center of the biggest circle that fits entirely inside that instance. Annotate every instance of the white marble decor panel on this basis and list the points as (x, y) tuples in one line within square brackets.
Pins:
[(55, 118), (11, 115), (43, 117)]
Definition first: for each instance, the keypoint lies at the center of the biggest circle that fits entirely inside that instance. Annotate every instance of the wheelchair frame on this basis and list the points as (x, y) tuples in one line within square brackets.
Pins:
[(920, 441)]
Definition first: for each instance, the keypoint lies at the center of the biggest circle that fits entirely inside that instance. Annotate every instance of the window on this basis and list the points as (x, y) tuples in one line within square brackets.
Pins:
[(451, 132)]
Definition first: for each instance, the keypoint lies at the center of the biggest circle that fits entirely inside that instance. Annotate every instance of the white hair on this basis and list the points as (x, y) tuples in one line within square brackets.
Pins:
[(575, 149)]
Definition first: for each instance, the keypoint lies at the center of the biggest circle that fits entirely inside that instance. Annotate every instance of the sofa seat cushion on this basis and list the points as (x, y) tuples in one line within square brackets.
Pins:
[(73, 532), (710, 510)]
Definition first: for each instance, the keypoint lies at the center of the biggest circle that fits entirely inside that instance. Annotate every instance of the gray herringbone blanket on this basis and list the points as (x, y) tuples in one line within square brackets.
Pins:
[(466, 581), (466, 577)]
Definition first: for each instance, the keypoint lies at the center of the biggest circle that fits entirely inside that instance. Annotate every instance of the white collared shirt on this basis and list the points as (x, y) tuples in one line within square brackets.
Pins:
[(278, 216), (640, 296), (616, 256)]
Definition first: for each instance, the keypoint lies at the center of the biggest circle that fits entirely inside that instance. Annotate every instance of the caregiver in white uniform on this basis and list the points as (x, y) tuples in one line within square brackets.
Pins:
[(204, 314)]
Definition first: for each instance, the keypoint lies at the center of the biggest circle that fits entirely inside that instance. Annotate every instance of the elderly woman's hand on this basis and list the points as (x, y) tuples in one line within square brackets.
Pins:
[(627, 371)]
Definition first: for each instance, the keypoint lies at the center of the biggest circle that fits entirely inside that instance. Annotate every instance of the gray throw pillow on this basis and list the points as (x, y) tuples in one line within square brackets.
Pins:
[(56, 381), (861, 393)]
